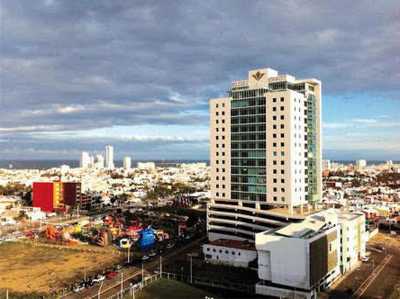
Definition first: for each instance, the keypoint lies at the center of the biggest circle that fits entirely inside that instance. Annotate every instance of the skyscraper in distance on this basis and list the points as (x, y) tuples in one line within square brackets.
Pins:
[(109, 157), (127, 163), (85, 160), (265, 152)]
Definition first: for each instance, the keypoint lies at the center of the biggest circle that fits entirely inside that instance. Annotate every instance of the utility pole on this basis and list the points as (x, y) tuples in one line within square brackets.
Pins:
[(129, 251), (191, 268), (142, 275), (122, 283), (160, 266), (98, 293)]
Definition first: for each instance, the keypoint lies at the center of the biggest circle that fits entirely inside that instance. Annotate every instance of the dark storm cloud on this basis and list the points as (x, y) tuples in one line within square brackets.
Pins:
[(73, 65)]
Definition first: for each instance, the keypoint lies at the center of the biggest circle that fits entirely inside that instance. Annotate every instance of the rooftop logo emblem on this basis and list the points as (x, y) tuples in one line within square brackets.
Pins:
[(258, 75)]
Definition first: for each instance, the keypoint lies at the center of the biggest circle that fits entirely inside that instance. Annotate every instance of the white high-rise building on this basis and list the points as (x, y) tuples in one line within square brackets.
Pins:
[(99, 161), (109, 157), (127, 163), (85, 160), (361, 164), (326, 164), (265, 153)]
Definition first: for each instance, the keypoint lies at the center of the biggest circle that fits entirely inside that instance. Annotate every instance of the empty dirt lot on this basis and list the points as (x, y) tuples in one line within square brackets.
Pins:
[(386, 281), (26, 268)]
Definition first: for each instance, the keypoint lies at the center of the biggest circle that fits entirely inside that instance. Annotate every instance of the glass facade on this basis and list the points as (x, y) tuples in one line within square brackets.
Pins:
[(248, 145), (311, 149)]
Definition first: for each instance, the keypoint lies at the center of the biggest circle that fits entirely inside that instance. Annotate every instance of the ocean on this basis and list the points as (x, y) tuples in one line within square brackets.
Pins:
[(46, 164)]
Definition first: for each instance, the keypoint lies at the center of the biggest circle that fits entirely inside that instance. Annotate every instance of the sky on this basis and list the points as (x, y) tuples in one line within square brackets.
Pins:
[(77, 75)]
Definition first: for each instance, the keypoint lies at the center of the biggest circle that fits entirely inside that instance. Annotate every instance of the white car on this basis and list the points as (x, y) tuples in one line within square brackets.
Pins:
[(78, 288), (99, 278), (145, 258), (365, 259)]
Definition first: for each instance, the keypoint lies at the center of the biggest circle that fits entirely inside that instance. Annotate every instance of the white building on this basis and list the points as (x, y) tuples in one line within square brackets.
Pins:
[(230, 252), (361, 164), (99, 161), (303, 258), (127, 163), (85, 160), (109, 157), (147, 165), (326, 165), (265, 152)]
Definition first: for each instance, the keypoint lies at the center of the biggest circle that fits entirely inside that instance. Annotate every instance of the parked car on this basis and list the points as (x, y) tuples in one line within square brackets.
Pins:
[(98, 278), (111, 274), (145, 258), (152, 253), (365, 259), (78, 288)]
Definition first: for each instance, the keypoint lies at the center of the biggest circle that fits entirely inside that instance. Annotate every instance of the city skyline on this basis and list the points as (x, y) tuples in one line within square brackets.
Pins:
[(114, 77)]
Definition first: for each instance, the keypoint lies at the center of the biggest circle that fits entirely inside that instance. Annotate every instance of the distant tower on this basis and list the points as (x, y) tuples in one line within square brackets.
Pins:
[(109, 157), (361, 164), (99, 161), (85, 160), (127, 163)]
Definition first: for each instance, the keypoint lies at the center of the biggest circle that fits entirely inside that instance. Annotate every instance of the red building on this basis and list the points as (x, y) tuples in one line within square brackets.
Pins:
[(42, 196), (71, 193), (51, 196)]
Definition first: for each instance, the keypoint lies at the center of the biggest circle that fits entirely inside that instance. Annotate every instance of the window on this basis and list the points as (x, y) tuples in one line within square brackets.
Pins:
[(282, 181), (274, 162), (275, 189), (282, 135), (274, 127), (282, 126), (274, 100), (282, 162), (274, 117), (275, 171), (273, 108), (282, 99), (275, 198), (274, 144), (216, 113), (282, 117), (216, 105), (282, 144), (274, 181), (216, 121)]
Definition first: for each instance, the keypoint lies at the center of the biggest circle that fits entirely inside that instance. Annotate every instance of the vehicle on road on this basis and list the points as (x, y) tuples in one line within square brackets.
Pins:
[(365, 259), (145, 258), (78, 288), (111, 274), (98, 278)]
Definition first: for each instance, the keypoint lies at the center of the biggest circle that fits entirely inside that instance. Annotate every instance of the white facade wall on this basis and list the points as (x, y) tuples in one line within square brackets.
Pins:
[(286, 180), (228, 256)]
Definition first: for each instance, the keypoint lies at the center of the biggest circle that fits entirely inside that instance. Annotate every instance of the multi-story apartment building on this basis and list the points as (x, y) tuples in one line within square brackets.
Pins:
[(265, 153)]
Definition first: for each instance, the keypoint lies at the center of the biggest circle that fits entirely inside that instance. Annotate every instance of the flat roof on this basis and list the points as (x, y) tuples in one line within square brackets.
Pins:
[(301, 230), (233, 244)]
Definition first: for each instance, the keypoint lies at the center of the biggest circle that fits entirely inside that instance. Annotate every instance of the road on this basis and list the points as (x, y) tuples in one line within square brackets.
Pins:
[(112, 287)]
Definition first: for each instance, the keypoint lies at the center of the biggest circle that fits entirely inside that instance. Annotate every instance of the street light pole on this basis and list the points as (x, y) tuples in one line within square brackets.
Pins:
[(191, 269), (98, 293), (122, 283)]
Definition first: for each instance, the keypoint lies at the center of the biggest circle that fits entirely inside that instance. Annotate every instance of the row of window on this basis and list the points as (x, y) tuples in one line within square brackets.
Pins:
[(220, 251)]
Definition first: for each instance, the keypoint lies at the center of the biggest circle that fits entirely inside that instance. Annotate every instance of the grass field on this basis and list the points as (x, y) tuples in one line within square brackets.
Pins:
[(35, 269), (168, 289)]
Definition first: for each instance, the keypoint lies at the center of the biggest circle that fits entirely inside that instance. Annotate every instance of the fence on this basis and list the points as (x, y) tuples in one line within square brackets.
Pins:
[(201, 281)]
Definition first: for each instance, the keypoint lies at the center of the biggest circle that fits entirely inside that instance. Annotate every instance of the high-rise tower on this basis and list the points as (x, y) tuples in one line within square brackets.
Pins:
[(109, 157), (265, 154)]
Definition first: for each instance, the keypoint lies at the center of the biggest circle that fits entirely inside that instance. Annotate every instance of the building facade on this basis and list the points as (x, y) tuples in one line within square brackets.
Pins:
[(109, 157), (265, 153)]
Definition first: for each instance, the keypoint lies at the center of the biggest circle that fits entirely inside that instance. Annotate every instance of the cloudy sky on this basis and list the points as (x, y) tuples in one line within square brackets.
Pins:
[(76, 75)]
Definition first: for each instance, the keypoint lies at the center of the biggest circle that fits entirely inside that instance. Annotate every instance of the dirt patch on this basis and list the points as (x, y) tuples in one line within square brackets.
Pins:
[(26, 268)]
